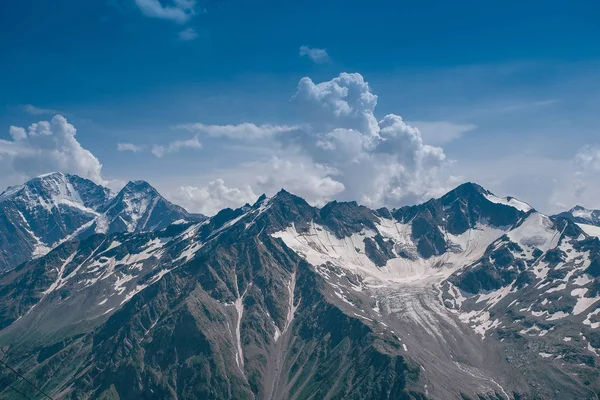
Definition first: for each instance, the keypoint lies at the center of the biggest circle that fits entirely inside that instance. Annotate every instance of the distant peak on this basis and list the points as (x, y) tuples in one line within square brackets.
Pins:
[(470, 186), (137, 186), (585, 214), (577, 208), (465, 190), (260, 200), (51, 175), (283, 196), (137, 183)]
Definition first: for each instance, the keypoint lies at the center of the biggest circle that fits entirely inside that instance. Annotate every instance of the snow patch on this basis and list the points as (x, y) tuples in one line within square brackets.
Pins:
[(591, 230), (509, 201)]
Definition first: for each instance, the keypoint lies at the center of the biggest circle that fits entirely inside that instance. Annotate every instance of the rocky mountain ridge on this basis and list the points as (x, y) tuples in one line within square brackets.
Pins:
[(469, 296), (53, 208)]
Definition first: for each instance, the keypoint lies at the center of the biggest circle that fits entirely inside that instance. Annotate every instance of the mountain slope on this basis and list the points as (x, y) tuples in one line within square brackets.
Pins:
[(202, 311), (51, 209), (464, 297), (588, 220), (139, 207), (44, 211)]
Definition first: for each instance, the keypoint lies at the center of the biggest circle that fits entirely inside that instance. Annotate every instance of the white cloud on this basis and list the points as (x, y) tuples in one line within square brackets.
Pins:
[(130, 147), (188, 34), (46, 146), (41, 128), (340, 151), (212, 198), (317, 55), (174, 147), (298, 174), (17, 133), (314, 182), (379, 163), (244, 131), (177, 10), (343, 102), (33, 110), (588, 159), (580, 186), (441, 132)]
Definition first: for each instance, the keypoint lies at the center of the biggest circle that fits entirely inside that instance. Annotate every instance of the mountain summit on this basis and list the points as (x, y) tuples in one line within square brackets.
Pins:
[(139, 207), (52, 208)]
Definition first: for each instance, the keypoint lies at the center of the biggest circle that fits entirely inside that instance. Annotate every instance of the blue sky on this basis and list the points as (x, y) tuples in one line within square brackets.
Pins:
[(208, 95)]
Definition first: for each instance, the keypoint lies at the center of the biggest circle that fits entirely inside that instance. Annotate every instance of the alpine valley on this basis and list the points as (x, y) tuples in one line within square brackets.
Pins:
[(127, 296)]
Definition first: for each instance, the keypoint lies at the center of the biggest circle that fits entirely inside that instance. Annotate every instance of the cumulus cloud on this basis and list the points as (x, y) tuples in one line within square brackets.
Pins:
[(188, 34), (300, 175), (379, 162), (43, 147), (317, 55), (130, 147), (175, 146), (244, 131), (17, 133), (215, 196), (341, 150), (176, 10)]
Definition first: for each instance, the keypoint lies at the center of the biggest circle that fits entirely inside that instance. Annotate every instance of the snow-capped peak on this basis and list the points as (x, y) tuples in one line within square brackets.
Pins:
[(584, 213), (56, 189)]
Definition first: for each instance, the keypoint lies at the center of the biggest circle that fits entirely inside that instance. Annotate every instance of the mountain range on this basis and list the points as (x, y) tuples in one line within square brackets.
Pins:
[(54, 208), (127, 296)]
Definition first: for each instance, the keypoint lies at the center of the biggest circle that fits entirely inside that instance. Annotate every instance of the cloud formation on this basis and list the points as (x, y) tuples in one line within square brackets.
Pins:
[(45, 146), (130, 147), (580, 187), (244, 131), (442, 132), (213, 198), (341, 150), (317, 55), (188, 34), (176, 10), (175, 146), (588, 159), (379, 162), (33, 110)]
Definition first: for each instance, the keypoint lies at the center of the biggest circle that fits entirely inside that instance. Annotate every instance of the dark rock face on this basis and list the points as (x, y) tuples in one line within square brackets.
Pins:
[(581, 215), (456, 212), (496, 269)]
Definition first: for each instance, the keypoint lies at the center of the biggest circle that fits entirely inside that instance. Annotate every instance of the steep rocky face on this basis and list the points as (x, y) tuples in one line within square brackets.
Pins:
[(281, 300), (588, 220), (459, 210), (53, 208), (39, 214), (584, 216), (139, 207)]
